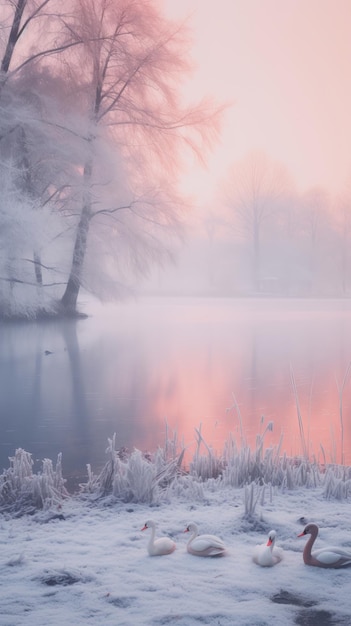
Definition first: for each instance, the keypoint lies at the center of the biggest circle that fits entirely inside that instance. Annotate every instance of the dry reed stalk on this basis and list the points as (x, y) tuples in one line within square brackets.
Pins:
[(236, 407), (299, 416), (341, 391)]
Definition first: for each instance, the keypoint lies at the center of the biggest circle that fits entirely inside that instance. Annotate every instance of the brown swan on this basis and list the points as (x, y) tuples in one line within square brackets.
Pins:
[(324, 557)]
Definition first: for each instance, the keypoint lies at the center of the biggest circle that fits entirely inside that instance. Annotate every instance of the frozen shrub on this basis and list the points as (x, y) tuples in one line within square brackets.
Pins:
[(141, 476), (102, 484), (187, 487), (337, 484), (24, 492), (251, 496), (136, 477), (205, 466)]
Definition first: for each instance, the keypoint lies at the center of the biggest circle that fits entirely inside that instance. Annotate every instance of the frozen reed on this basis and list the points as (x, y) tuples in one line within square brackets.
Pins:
[(151, 478)]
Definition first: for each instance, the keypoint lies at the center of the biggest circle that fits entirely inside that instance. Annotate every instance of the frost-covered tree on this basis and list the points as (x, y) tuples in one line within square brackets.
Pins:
[(92, 138), (35, 159), (132, 62)]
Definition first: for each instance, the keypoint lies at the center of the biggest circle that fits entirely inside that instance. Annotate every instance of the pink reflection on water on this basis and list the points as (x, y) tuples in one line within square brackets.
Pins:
[(200, 355)]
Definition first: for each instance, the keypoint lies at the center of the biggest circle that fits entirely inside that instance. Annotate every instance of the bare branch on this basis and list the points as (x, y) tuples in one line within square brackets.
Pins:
[(32, 17), (43, 53)]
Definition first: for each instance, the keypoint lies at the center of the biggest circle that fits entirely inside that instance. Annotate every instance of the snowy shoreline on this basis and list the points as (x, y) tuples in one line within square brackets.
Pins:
[(87, 563)]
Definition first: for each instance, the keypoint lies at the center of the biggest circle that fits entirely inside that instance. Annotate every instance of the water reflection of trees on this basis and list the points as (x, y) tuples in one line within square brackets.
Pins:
[(21, 366), (180, 366)]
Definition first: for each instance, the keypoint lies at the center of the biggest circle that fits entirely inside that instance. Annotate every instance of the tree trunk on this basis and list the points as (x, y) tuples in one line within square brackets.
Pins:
[(13, 37), (37, 269), (26, 185), (69, 298)]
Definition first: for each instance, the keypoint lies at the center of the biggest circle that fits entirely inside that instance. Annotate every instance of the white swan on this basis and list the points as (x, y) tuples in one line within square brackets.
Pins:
[(324, 557), (203, 545), (266, 554), (158, 547)]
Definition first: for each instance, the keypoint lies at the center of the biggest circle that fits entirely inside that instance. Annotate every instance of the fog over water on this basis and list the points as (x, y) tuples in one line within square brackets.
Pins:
[(67, 386)]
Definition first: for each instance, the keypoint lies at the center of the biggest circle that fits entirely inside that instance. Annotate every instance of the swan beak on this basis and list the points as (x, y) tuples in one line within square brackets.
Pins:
[(301, 534), (269, 542), (144, 527), (186, 530)]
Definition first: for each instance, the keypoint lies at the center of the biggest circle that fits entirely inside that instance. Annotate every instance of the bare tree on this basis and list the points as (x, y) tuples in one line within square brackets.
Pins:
[(23, 90), (93, 130), (16, 29), (35, 27), (254, 189), (19, 25), (133, 59)]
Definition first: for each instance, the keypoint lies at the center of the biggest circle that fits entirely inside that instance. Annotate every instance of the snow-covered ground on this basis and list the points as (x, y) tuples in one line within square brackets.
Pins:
[(87, 563)]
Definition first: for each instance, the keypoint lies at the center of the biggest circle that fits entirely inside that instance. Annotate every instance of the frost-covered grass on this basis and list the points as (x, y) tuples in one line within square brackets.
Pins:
[(23, 491), (165, 475)]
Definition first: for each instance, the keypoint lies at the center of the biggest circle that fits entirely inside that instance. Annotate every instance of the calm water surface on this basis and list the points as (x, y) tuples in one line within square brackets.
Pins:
[(133, 367)]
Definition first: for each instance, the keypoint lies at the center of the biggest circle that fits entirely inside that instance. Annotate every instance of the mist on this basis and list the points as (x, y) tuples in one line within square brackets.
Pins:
[(288, 244), (175, 230)]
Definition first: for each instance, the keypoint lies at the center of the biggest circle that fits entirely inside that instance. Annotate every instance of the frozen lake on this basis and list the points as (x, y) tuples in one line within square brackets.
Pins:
[(132, 367)]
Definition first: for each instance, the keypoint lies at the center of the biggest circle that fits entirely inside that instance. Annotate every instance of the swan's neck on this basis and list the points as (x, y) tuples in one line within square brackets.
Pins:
[(152, 538), (192, 536), (307, 552)]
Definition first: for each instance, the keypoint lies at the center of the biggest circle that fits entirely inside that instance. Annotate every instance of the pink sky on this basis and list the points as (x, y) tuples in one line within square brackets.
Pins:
[(286, 66)]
